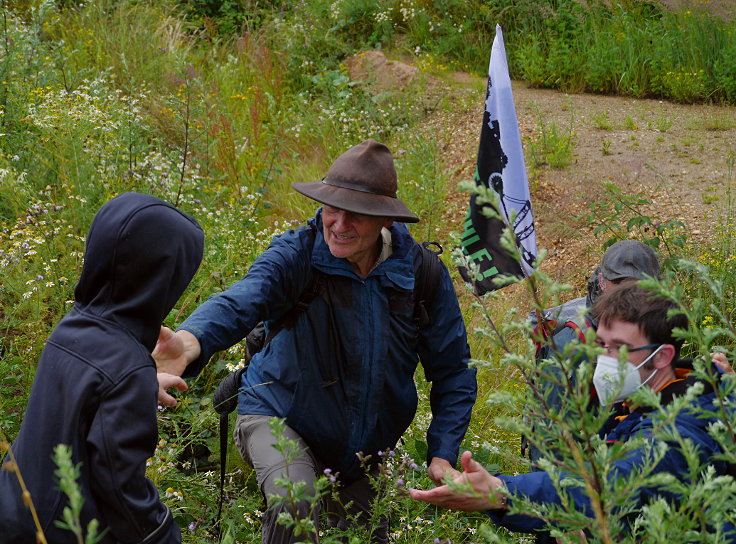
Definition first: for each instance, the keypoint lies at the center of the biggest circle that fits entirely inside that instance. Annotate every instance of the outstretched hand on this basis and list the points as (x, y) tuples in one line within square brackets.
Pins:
[(439, 468), (167, 381), (481, 491), (722, 362), (175, 350)]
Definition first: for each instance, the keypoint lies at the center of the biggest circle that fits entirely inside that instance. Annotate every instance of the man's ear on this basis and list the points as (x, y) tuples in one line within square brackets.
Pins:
[(664, 356)]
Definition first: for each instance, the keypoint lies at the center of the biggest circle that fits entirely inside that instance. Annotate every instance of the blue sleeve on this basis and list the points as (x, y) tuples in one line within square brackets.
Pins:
[(444, 353), (539, 488), (270, 288)]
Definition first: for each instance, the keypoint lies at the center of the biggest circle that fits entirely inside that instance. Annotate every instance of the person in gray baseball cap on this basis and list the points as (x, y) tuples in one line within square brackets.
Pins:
[(341, 373), (627, 259), (566, 323)]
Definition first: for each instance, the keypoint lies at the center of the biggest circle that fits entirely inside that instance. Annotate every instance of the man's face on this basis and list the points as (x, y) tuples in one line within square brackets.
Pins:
[(616, 334), (352, 236)]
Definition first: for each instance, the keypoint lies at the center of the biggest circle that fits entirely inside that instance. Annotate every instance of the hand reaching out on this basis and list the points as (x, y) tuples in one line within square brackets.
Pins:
[(481, 495), (438, 468), (175, 350), (167, 381)]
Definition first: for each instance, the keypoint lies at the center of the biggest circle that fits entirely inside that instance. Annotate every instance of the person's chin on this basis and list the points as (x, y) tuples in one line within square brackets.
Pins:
[(341, 251), (341, 247)]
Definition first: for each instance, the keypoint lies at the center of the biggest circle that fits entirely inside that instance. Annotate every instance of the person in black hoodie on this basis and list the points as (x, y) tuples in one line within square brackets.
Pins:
[(96, 385)]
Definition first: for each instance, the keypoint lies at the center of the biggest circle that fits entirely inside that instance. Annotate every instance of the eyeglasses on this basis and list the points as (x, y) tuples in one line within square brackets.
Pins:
[(613, 350)]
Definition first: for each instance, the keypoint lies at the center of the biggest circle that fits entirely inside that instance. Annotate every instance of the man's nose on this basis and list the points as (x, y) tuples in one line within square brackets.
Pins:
[(341, 221)]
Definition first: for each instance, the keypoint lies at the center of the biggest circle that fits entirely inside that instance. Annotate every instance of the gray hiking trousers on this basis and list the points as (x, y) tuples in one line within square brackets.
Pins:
[(255, 442)]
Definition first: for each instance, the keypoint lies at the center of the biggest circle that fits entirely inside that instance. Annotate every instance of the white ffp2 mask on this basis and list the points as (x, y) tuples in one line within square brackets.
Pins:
[(613, 382)]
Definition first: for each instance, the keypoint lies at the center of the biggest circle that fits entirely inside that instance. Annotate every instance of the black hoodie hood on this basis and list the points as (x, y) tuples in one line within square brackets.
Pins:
[(141, 254)]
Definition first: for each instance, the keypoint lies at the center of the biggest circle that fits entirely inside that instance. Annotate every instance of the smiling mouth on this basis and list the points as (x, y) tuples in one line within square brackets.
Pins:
[(343, 237)]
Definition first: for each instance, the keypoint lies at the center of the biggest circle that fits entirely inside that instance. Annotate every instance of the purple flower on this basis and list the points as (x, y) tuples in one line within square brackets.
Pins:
[(192, 526)]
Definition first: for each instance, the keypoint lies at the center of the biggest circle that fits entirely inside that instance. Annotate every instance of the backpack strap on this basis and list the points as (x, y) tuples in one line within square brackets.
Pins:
[(288, 320), (577, 328), (545, 329), (427, 281)]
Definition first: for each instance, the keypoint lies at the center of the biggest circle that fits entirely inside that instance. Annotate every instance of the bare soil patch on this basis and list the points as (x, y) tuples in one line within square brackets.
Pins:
[(674, 155)]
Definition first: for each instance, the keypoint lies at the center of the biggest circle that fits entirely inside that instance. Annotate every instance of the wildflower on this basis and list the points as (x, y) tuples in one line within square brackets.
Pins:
[(328, 473)]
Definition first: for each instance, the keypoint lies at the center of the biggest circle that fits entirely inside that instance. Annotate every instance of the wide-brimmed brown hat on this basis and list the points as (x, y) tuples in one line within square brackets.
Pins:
[(361, 180)]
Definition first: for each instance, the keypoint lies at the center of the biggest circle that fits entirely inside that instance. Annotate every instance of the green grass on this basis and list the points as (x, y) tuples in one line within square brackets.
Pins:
[(219, 111)]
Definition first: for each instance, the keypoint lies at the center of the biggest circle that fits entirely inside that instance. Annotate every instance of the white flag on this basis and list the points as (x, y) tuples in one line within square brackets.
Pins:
[(500, 166)]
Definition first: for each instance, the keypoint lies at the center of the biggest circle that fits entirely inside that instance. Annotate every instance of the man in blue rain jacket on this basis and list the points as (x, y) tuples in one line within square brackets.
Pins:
[(343, 375)]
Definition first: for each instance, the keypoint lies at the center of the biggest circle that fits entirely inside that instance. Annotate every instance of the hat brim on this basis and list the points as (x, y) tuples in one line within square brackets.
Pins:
[(356, 201)]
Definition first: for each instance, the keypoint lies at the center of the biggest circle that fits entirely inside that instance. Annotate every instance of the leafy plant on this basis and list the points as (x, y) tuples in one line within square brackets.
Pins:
[(68, 475), (621, 216), (606, 147), (552, 145), (602, 119), (576, 458)]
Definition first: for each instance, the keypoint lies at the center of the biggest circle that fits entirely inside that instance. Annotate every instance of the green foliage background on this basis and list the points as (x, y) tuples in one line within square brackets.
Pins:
[(218, 106)]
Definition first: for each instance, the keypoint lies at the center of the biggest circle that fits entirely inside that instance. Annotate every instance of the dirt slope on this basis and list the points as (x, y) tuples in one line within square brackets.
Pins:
[(676, 156)]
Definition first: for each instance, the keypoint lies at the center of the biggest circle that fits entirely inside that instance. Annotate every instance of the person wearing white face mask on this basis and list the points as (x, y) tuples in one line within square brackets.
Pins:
[(615, 379), (565, 325), (640, 351)]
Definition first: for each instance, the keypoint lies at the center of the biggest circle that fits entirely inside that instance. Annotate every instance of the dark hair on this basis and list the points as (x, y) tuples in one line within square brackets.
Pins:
[(632, 304)]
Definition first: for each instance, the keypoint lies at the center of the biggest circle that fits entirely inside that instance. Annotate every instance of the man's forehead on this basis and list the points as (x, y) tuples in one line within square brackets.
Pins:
[(621, 332)]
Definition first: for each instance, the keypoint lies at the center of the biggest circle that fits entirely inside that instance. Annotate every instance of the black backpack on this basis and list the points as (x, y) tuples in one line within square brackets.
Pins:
[(427, 271)]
